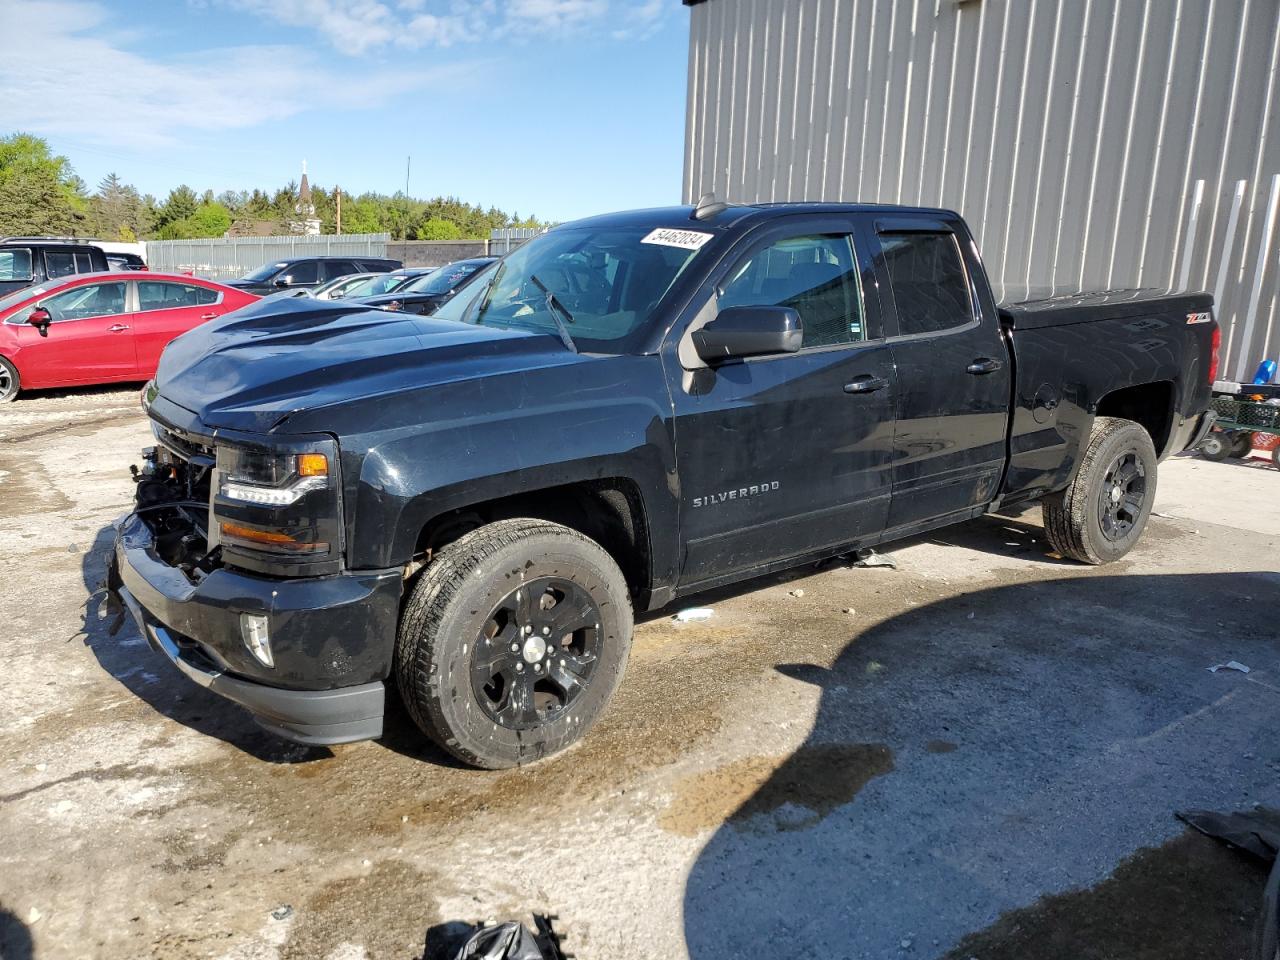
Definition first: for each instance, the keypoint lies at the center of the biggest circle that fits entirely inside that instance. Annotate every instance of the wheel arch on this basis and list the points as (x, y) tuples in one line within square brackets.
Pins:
[(1150, 405), (610, 510)]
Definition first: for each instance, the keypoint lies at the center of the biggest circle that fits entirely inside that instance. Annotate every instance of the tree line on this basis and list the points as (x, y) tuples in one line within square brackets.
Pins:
[(40, 195)]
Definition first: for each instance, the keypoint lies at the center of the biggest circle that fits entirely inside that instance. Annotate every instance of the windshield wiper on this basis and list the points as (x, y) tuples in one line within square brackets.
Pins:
[(483, 299), (559, 313)]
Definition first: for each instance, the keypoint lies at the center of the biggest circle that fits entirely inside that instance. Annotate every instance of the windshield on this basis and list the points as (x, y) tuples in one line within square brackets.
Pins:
[(265, 271), (15, 298), (444, 279), (376, 285), (608, 280)]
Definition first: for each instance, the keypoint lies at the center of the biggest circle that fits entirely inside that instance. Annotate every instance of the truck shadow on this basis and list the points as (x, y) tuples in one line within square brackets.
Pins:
[(15, 938), (971, 757), (128, 658)]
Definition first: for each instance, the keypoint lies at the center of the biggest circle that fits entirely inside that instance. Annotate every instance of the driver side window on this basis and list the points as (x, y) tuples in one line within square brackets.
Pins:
[(815, 275), (79, 303)]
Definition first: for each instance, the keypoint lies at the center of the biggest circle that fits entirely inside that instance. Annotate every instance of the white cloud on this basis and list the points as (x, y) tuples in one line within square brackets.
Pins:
[(361, 27), (84, 82)]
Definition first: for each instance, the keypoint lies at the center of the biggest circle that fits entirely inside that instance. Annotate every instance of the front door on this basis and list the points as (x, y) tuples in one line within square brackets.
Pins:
[(786, 455), (953, 375), (89, 338)]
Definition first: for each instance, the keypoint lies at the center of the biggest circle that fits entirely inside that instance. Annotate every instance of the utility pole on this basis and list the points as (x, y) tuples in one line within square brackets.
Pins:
[(338, 197), (407, 161)]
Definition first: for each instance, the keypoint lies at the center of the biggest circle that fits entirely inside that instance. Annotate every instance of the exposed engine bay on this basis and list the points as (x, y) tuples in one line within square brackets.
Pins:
[(172, 498)]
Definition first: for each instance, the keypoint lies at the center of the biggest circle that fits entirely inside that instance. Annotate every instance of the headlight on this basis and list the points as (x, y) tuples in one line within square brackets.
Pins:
[(277, 508), (272, 480)]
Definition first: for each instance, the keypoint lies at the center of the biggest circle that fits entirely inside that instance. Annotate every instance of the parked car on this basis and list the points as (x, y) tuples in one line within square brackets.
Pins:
[(309, 272), (387, 282), (25, 261), (624, 411), (101, 327), (125, 261), (426, 294)]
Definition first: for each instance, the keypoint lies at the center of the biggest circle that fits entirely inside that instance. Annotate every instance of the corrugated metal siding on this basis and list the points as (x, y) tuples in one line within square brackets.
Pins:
[(1076, 136)]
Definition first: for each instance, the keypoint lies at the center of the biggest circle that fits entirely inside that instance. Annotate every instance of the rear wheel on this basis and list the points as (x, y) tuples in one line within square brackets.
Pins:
[(513, 641), (1241, 444), (9, 381), (1215, 447), (1101, 514)]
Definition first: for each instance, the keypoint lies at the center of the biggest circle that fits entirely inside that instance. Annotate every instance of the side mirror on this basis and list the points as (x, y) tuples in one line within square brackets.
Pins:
[(281, 282), (40, 318), (738, 332)]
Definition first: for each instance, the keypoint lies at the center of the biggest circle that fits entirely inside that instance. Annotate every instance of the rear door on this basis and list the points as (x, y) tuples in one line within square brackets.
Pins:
[(89, 339), (167, 308), (786, 455), (953, 375), (333, 269)]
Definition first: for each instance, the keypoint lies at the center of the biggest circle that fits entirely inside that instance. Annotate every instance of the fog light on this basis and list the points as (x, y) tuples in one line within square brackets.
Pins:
[(257, 637)]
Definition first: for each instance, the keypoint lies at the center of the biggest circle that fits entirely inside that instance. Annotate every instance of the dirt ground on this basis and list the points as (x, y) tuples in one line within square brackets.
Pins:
[(977, 754)]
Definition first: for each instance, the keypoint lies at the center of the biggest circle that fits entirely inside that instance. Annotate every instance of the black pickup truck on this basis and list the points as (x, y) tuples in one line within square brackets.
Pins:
[(470, 507)]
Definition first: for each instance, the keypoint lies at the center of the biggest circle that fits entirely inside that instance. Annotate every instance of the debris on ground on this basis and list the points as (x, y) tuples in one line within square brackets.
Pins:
[(1229, 665), (1256, 832), (693, 614), (282, 912), (796, 593), (869, 558), (513, 941)]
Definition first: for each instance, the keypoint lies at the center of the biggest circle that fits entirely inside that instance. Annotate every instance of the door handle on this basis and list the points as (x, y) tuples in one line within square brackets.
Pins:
[(984, 365), (117, 327), (865, 384), (207, 316)]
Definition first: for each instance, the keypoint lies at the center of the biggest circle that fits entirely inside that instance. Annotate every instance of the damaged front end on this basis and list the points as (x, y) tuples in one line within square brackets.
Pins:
[(231, 565)]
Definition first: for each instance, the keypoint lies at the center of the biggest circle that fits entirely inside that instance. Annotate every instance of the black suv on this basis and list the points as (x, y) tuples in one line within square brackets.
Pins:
[(295, 272), (25, 261)]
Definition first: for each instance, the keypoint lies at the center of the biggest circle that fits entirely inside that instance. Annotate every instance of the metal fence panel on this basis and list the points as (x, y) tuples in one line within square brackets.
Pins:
[(1089, 143), (225, 258)]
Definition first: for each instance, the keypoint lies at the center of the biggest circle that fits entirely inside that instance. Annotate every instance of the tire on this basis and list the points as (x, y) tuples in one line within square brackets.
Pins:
[(1275, 456), (1241, 444), (495, 588), (1215, 447), (1101, 514), (10, 382)]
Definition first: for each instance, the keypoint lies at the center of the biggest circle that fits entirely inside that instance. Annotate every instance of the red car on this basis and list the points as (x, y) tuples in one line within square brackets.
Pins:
[(101, 327)]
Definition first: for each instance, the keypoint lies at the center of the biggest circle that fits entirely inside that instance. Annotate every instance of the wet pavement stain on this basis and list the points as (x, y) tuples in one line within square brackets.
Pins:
[(1190, 899), (386, 912), (815, 780), (26, 488)]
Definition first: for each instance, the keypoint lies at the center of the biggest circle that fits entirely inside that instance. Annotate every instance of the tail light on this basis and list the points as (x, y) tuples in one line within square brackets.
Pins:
[(1215, 347)]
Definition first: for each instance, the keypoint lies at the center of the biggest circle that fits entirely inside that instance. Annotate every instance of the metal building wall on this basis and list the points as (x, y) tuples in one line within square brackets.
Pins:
[(1089, 143)]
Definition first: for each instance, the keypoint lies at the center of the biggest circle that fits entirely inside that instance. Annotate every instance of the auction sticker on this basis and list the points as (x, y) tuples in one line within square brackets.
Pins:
[(685, 239)]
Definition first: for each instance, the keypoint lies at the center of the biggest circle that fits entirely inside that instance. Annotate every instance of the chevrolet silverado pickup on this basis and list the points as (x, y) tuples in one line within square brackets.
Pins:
[(468, 509)]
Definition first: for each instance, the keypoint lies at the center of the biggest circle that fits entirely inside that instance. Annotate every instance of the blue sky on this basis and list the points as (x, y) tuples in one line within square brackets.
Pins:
[(559, 108)]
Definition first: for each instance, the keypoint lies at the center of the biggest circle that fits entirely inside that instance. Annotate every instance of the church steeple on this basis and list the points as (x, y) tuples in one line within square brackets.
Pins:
[(304, 206)]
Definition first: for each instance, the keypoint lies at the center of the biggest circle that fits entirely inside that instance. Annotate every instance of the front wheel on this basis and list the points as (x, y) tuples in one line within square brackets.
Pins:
[(9, 381), (513, 641), (1102, 512)]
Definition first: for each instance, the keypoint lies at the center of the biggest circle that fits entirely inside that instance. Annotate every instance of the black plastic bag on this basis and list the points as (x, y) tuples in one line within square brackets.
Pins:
[(502, 941), (1256, 832)]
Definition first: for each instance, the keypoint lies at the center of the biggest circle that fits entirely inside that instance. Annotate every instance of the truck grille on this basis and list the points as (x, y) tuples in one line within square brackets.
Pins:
[(192, 447)]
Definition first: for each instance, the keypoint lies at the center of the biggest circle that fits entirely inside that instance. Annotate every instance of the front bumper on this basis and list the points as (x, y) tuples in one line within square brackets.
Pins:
[(332, 638)]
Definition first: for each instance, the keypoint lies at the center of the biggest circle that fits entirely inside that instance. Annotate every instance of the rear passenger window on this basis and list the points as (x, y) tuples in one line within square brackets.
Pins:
[(159, 295), (59, 264), (333, 269), (814, 275), (928, 280)]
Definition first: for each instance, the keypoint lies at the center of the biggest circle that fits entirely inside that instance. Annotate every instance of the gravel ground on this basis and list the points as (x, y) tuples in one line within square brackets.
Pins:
[(977, 754)]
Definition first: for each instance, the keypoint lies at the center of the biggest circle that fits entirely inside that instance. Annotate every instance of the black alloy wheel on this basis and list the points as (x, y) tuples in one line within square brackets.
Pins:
[(1122, 495), (536, 653)]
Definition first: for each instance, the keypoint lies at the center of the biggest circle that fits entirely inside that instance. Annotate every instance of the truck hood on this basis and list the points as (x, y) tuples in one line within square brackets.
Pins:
[(250, 369)]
